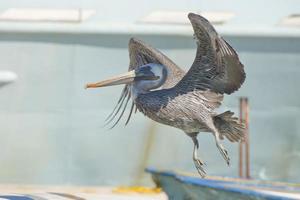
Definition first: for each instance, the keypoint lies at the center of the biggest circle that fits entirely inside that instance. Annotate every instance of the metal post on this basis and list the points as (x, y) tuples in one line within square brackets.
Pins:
[(244, 118), (241, 142), (247, 146)]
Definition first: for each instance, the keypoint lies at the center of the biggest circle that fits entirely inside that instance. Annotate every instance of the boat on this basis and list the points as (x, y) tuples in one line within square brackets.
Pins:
[(184, 186)]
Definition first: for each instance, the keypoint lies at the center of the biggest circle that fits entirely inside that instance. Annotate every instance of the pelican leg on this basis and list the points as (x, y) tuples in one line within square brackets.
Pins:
[(197, 162), (222, 150)]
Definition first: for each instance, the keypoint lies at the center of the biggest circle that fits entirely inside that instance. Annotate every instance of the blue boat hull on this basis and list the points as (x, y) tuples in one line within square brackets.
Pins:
[(183, 187)]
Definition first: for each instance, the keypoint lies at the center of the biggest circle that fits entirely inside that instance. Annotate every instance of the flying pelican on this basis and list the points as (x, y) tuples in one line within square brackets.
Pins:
[(166, 94)]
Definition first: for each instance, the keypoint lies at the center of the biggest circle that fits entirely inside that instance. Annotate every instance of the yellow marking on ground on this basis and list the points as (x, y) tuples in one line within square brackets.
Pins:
[(137, 189)]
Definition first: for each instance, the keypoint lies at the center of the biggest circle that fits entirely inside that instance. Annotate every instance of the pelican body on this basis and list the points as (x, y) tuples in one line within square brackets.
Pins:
[(186, 100)]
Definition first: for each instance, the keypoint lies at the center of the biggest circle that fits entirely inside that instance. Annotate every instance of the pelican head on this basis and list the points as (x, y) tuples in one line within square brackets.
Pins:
[(142, 79)]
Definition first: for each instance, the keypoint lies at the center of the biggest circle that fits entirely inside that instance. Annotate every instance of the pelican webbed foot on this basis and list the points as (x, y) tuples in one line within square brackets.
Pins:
[(198, 163), (223, 152)]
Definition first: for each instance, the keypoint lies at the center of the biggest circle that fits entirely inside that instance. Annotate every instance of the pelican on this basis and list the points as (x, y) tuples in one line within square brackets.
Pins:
[(186, 100)]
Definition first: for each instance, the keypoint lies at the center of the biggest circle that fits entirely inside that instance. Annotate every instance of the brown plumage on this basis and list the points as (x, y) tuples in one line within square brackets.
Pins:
[(166, 94)]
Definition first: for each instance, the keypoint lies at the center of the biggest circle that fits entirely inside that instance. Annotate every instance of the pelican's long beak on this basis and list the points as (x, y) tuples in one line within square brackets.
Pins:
[(117, 80)]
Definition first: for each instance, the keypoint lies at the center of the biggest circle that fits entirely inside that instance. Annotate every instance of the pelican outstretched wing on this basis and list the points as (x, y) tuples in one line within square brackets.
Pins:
[(141, 53), (217, 66)]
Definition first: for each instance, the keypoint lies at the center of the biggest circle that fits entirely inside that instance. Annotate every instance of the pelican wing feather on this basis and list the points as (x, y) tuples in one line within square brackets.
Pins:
[(216, 66)]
